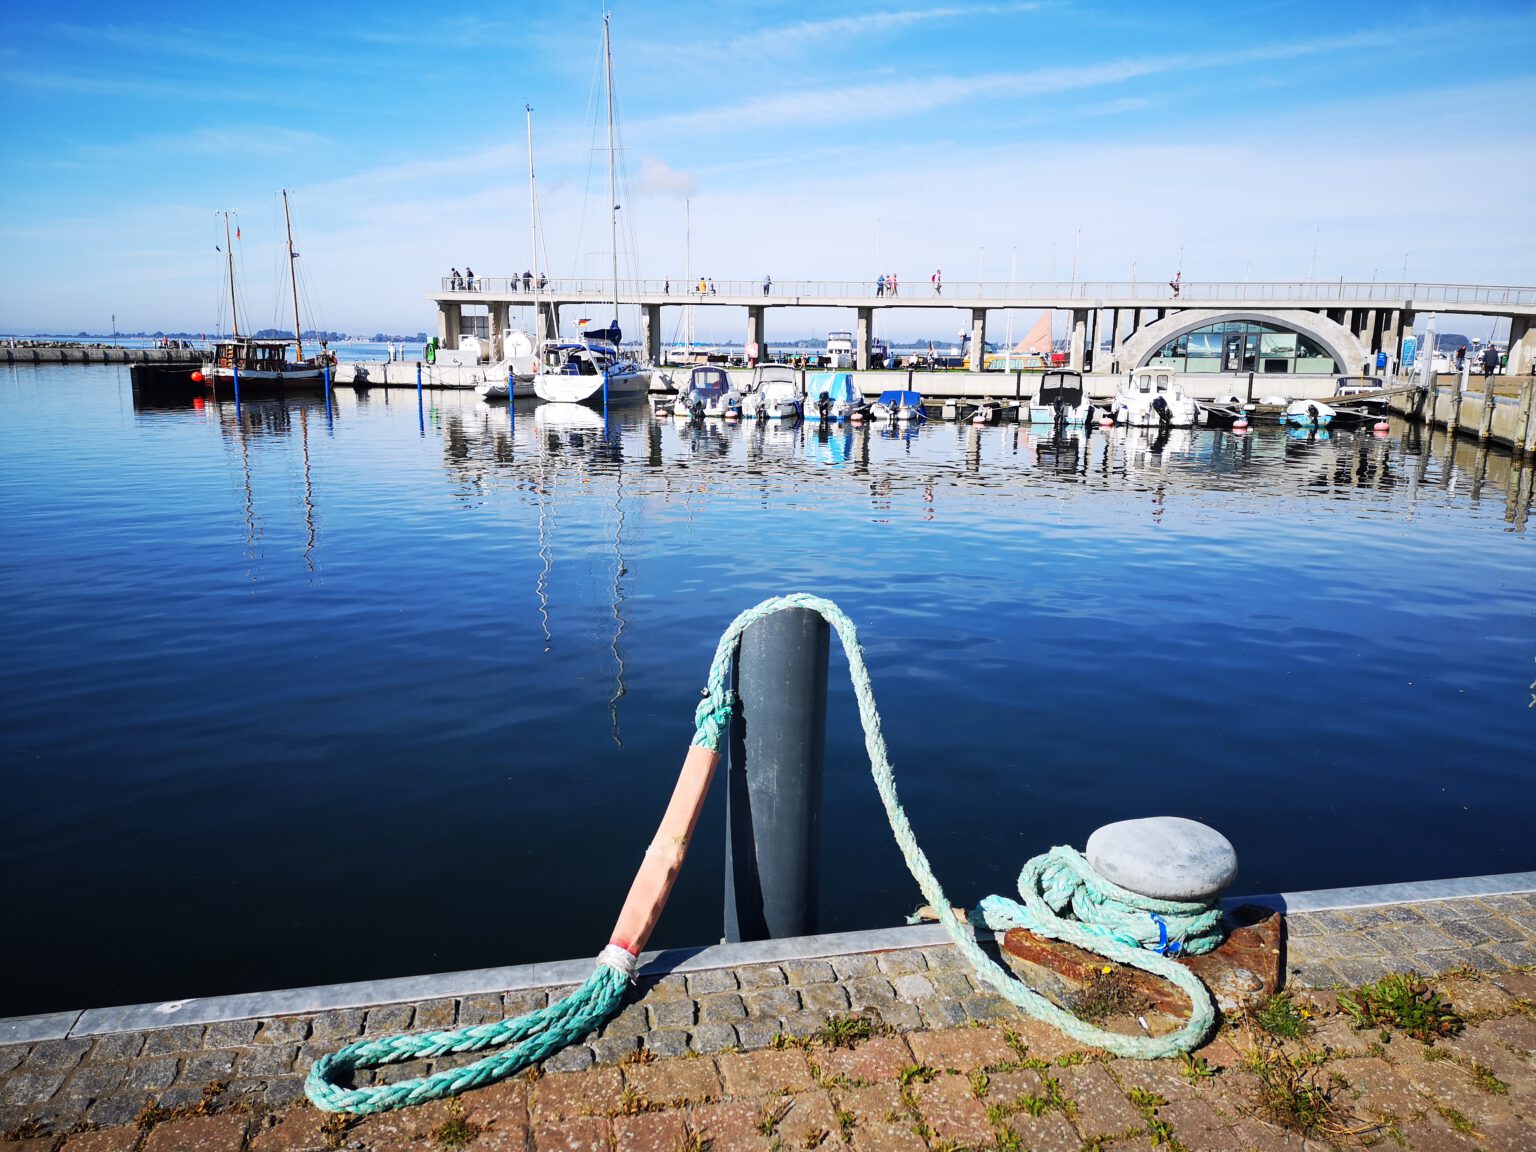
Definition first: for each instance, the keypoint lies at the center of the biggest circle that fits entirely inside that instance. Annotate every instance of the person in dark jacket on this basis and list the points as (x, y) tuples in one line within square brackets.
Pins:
[(1490, 360)]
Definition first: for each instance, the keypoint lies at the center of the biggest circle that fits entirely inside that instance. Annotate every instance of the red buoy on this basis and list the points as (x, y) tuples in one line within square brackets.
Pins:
[(197, 377), (197, 401)]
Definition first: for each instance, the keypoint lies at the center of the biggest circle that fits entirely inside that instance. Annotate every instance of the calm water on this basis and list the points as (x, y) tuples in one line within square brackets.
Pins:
[(290, 699)]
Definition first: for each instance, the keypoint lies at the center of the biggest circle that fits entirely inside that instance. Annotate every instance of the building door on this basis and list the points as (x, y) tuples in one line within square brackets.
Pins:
[(1233, 360)]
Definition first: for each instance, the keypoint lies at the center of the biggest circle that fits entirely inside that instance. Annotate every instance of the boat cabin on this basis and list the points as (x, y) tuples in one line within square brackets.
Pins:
[(707, 382), (1067, 387), (252, 355), (1153, 379), (567, 359)]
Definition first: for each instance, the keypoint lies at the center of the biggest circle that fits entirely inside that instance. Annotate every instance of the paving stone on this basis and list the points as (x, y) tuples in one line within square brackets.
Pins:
[(1102, 1109), (809, 972), (710, 981), (670, 1013), (1195, 1124), (729, 1127), (284, 1090), (234, 1033), (672, 986), (24, 1087), (824, 998), (564, 1095), (163, 1041), (942, 1013), (484, 1009), (98, 1080), (771, 1003), (11, 1055), (117, 1046), (901, 1017), (674, 1082), (1518, 954), (712, 1038), (951, 985), (855, 964), (949, 1107), (880, 1118), (810, 1122), (987, 1008), (962, 1049), (435, 1015), (945, 956), (205, 1066), (197, 1134), (912, 987), (721, 1007), (649, 1132), (902, 963), (271, 1060), (753, 1075), (56, 1055), (588, 1134), (666, 1042), (116, 1109), (102, 1140), (182, 1094), (869, 992), (297, 1130), (522, 1002), (612, 1049), (803, 1024), (871, 1061), (388, 1018), (342, 1024), (572, 1058), (630, 1021), (755, 1034), (1484, 997), (761, 976)]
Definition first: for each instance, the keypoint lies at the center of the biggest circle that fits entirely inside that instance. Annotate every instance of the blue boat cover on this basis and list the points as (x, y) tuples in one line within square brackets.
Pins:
[(837, 385), (897, 397), (609, 335)]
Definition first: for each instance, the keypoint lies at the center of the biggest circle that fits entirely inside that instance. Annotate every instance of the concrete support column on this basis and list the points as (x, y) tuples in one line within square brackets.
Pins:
[(1092, 351), (499, 320), (978, 339), (449, 324), (865, 326), (1161, 313), (1522, 345), (549, 320), (650, 332), (1079, 335), (1368, 332), (755, 317)]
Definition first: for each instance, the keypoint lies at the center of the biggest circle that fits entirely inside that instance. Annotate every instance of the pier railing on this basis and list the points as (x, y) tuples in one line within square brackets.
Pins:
[(1003, 292)]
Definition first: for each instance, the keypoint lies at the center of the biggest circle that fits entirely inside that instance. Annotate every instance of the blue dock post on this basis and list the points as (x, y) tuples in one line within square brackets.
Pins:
[(236, 367), (328, 422), (773, 791), (421, 416)]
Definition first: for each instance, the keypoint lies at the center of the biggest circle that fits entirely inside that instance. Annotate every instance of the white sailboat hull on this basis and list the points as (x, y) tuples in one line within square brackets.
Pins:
[(563, 388)]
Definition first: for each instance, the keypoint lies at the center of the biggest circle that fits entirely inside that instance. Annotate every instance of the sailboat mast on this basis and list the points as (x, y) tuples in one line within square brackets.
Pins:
[(613, 188), (533, 221), (688, 269), (229, 251), (293, 277)]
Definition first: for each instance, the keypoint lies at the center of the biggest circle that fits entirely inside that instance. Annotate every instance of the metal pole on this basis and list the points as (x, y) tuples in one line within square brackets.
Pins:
[(773, 794), (421, 416)]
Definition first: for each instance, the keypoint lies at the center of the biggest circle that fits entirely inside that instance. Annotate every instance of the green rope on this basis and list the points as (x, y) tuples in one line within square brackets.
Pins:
[(539, 1034)]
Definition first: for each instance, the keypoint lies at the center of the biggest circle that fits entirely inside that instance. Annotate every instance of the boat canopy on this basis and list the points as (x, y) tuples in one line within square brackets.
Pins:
[(835, 385), (708, 381), (1064, 386), (772, 374), (609, 335), (900, 398)]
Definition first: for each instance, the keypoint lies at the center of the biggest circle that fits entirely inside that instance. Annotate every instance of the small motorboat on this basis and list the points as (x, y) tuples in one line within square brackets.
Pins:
[(899, 404), (774, 393), (831, 396), (709, 394), (1153, 397), (1307, 414), (1061, 400)]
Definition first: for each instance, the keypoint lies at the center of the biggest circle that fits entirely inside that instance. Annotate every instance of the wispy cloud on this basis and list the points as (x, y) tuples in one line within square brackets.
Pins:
[(792, 37)]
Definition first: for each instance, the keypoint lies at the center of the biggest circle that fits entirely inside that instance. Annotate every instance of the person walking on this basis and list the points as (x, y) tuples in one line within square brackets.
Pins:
[(892, 283), (1175, 283), (1461, 357), (880, 285), (938, 282), (666, 286), (1490, 360), (767, 284)]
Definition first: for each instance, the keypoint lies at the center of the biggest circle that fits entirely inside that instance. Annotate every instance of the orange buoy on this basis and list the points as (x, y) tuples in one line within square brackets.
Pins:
[(197, 401), (197, 377), (1382, 426)]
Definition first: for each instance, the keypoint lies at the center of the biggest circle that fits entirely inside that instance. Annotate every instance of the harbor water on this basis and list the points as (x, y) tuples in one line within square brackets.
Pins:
[(308, 693)]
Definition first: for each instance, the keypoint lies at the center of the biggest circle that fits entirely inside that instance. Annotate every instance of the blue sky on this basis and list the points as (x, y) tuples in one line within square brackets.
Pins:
[(813, 141)]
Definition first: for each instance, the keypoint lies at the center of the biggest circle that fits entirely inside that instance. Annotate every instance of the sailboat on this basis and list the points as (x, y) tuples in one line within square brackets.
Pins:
[(595, 367), (512, 375), (264, 362)]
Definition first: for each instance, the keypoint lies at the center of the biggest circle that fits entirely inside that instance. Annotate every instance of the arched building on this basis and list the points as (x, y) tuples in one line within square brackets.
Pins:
[(1289, 342)]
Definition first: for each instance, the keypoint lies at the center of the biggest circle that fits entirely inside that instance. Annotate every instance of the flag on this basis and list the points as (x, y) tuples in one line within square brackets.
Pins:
[(237, 232)]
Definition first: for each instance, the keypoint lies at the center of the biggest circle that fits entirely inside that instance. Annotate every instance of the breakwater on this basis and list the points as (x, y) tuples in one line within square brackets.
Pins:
[(96, 354)]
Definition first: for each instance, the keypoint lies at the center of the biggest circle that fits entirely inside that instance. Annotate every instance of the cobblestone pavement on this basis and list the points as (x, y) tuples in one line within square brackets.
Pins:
[(743, 1058)]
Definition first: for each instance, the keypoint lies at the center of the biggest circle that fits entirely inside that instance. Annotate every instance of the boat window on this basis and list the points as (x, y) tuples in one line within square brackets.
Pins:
[(1162, 380)]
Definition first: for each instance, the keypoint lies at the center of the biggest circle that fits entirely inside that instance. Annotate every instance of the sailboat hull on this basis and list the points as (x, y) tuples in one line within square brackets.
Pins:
[(563, 388)]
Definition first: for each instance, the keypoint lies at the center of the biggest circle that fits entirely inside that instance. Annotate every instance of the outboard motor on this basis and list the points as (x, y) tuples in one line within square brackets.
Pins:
[(696, 411), (1164, 414), (1059, 408), (1312, 413), (824, 406)]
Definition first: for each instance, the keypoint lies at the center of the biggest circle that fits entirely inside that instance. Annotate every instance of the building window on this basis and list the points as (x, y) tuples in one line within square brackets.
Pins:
[(1244, 346)]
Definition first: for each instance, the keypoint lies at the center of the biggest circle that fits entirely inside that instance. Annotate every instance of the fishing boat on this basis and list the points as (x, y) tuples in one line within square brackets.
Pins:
[(708, 394), (774, 393), (840, 350), (1153, 396), (831, 396), (899, 404), (1061, 400), (595, 368), (264, 362), (1308, 414)]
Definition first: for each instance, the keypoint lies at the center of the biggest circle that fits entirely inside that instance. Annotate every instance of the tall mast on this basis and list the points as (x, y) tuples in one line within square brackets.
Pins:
[(533, 199), (293, 277), (613, 188), (229, 251), (688, 268)]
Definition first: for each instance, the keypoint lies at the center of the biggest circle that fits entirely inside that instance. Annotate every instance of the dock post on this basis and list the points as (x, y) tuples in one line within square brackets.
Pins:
[(1485, 424), (1518, 437), (1250, 388), (1453, 421), (235, 365), (773, 793)]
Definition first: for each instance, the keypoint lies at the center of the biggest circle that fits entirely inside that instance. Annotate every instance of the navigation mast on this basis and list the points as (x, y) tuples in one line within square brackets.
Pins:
[(229, 251), (613, 189), (293, 277)]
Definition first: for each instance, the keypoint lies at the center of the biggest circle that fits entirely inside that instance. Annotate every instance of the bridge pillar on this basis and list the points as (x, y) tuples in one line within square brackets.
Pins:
[(755, 316), (1522, 345), (449, 324), (978, 339), (499, 320), (865, 324), (1404, 330), (650, 333), (549, 320), (1079, 335), (1368, 333)]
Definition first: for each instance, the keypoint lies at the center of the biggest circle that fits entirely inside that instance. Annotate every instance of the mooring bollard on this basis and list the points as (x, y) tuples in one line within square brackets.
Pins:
[(1490, 405), (773, 783), (236, 368)]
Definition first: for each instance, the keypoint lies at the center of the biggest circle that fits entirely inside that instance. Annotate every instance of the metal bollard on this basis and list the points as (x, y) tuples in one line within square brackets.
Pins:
[(773, 782)]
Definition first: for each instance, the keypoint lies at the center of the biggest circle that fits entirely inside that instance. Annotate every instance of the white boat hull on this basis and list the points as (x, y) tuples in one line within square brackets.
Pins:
[(564, 388), (1044, 414)]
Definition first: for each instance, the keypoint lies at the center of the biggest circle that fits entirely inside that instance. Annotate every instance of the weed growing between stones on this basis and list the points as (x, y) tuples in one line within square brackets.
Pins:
[(455, 1132), (334, 1128), (1109, 992), (1404, 1001), (1300, 1093), (773, 1114), (29, 1129), (1481, 1074), (152, 1113), (845, 1031), (846, 1122), (1283, 1018), (1195, 1068)]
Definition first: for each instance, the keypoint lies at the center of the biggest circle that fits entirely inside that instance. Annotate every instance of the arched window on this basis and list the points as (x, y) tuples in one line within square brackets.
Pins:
[(1244, 346)]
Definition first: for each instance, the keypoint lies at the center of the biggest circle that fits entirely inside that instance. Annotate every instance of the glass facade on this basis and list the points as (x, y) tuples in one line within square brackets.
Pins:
[(1244, 346)]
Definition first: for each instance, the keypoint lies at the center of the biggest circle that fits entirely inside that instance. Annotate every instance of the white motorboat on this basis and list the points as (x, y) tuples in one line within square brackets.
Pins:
[(831, 396), (840, 351), (579, 371), (1307, 414), (708, 394), (1061, 400), (774, 393), (512, 375), (898, 405), (1153, 397)]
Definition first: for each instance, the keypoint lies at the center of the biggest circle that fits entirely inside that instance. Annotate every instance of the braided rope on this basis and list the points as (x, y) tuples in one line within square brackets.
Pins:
[(1049, 883)]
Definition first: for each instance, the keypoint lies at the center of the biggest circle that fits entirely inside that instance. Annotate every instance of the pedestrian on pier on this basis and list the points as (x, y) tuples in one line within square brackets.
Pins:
[(1490, 360), (711, 286), (455, 281), (703, 287), (1461, 357), (527, 280), (892, 283), (767, 284), (543, 281), (469, 277), (938, 282), (880, 285), (391, 349), (666, 286), (1174, 283)]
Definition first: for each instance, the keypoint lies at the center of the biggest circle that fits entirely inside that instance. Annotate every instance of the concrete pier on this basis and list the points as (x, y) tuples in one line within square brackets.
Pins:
[(98, 354)]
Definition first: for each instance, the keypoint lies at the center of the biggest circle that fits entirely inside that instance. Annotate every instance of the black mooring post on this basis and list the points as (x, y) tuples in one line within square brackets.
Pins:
[(773, 794)]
